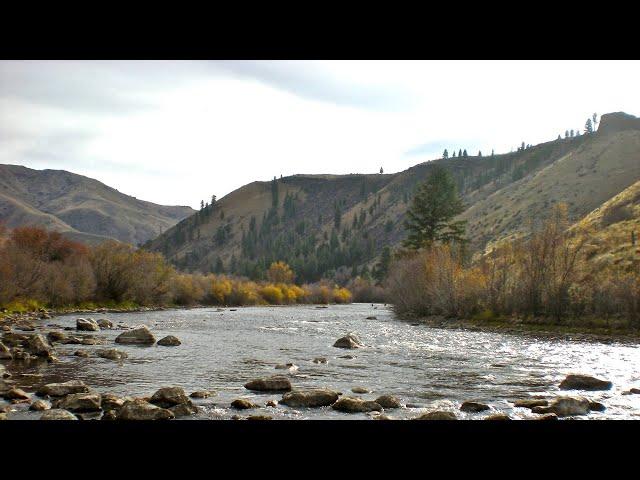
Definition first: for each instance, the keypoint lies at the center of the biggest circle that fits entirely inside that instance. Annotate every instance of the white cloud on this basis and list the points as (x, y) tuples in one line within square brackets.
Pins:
[(176, 132)]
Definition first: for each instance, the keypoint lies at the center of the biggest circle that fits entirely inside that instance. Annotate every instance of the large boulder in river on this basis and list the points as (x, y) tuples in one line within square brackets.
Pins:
[(16, 394), (168, 397), (62, 389), (139, 409), (58, 414), (584, 382), (276, 383), (80, 402), (184, 409), (140, 335), (87, 325), (566, 407), (348, 341), (388, 401), (104, 324), (355, 405), (169, 341), (318, 397), (40, 347)]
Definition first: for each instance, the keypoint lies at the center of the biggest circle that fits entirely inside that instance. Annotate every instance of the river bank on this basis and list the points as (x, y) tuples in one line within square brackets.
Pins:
[(540, 327)]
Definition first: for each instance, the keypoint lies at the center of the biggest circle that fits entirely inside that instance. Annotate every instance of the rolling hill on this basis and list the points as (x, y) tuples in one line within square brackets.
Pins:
[(80, 207), (338, 225)]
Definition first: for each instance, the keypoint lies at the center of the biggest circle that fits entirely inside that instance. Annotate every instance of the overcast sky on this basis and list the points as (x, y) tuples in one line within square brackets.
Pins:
[(176, 132)]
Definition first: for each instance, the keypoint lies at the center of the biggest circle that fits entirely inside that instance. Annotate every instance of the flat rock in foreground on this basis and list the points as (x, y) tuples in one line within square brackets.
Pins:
[(80, 402), (566, 407), (140, 335), (87, 325), (139, 409), (58, 414), (355, 405), (168, 397), (319, 397), (584, 382), (62, 389), (276, 383)]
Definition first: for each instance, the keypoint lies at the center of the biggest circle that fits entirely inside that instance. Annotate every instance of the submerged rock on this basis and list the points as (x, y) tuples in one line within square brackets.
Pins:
[(530, 403), (597, 407), (566, 407), (287, 366), (242, 404), (259, 417), (271, 403), (584, 382), (348, 341), (360, 390), (87, 325), (112, 354), (62, 389), (58, 414), (169, 341), (388, 401), (269, 384), (81, 353), (139, 409), (24, 326), (437, 415), (80, 402), (355, 405), (202, 394), (498, 416), (320, 360), (140, 335), (473, 407), (318, 397)]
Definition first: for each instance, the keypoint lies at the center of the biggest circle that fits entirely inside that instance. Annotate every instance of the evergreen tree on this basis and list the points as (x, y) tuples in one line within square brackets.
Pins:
[(566, 134), (588, 127), (571, 133), (201, 204), (464, 154), (559, 137), (445, 154), (274, 193), (460, 153), (434, 206), (382, 267), (381, 171), (479, 153), (454, 154)]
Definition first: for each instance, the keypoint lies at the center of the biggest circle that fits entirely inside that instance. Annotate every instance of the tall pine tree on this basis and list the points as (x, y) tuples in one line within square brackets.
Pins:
[(430, 218)]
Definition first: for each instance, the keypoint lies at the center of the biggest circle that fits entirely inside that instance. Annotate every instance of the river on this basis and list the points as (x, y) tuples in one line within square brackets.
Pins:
[(427, 368)]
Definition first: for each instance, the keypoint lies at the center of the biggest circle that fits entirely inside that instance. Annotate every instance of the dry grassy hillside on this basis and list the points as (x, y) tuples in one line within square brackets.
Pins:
[(80, 207), (612, 231), (584, 178)]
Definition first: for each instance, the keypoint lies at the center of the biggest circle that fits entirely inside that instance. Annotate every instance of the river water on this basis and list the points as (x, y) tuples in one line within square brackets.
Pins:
[(427, 368)]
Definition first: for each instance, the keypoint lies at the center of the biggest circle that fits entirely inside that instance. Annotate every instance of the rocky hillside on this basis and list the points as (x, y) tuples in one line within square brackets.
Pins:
[(339, 225), (80, 207)]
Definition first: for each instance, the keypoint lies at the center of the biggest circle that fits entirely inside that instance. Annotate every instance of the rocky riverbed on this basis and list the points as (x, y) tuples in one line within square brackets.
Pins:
[(342, 362)]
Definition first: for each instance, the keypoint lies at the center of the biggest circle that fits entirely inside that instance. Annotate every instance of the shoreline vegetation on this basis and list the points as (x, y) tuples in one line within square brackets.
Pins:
[(43, 270)]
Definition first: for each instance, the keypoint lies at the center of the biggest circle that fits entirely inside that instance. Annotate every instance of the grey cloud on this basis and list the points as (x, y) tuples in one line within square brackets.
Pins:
[(309, 80)]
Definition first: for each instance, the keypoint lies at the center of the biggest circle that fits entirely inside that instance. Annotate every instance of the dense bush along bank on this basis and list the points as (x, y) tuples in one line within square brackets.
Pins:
[(547, 275), (40, 268)]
